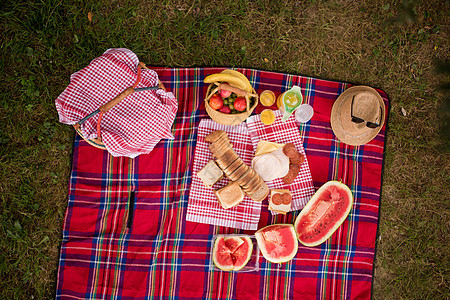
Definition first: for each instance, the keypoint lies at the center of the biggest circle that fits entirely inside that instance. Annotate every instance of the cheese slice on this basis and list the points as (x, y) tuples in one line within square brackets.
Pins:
[(266, 147)]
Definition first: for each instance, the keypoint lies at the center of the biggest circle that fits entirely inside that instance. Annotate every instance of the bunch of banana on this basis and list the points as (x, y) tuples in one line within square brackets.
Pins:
[(232, 77)]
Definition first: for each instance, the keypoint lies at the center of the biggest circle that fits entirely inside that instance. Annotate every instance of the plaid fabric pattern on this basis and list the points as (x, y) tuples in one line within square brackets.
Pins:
[(157, 254)]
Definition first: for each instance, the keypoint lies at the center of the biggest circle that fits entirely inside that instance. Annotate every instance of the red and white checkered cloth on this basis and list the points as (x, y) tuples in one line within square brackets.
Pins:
[(203, 206), (302, 188), (137, 123)]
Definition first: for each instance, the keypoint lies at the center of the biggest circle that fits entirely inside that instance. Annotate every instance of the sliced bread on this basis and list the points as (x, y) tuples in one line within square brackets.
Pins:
[(230, 195), (210, 174), (213, 136), (260, 193)]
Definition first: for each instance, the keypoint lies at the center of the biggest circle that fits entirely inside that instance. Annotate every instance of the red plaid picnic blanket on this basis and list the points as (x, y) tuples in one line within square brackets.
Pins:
[(137, 123), (126, 236)]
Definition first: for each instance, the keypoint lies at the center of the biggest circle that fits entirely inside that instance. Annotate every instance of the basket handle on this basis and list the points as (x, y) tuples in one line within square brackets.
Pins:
[(128, 91), (107, 106)]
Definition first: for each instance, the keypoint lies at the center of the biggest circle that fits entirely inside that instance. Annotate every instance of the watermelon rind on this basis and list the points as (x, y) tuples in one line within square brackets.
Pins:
[(247, 241), (311, 204), (264, 247)]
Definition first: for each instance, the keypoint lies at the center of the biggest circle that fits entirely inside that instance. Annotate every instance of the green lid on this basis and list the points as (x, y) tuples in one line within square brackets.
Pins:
[(292, 99)]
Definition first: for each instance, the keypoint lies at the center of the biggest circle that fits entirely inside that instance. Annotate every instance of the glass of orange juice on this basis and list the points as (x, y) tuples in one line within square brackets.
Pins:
[(267, 117), (267, 98), (279, 102)]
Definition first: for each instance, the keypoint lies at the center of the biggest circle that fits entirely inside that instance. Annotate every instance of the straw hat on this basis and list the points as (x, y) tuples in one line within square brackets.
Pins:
[(368, 107)]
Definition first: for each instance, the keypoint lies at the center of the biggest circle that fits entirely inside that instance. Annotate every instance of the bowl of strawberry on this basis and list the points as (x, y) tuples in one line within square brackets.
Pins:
[(228, 104)]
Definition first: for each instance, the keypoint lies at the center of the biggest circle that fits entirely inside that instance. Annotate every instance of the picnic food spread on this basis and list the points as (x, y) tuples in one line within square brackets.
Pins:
[(249, 161), (235, 169)]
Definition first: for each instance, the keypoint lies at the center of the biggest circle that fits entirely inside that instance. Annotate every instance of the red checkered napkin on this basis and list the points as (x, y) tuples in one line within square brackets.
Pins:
[(302, 188), (137, 123), (203, 206)]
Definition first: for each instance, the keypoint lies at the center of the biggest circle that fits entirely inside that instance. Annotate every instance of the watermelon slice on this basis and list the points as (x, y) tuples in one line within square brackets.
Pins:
[(222, 255), (233, 242), (241, 255), (323, 213), (278, 243), (232, 253)]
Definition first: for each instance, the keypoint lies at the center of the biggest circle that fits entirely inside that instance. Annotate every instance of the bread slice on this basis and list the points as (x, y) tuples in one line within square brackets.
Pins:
[(223, 164), (246, 177), (280, 206), (220, 146), (227, 159), (227, 154), (210, 174), (233, 166), (238, 172), (252, 184), (230, 195), (260, 193), (213, 136)]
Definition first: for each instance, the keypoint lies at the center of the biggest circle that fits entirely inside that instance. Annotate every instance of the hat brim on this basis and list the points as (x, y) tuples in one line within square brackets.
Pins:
[(364, 136)]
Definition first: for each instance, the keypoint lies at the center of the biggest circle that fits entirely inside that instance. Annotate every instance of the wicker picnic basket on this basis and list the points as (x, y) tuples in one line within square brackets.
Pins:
[(230, 119), (97, 142)]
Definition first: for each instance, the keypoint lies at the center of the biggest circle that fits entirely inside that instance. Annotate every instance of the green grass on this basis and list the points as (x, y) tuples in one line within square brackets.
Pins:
[(391, 45)]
